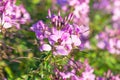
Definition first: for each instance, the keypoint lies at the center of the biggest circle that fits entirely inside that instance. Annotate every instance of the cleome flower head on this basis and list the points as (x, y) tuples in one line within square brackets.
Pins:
[(59, 36)]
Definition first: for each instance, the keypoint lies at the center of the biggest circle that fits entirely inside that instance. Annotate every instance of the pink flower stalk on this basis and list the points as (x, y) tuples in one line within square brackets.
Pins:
[(59, 36), (88, 73), (12, 15), (109, 39), (76, 70)]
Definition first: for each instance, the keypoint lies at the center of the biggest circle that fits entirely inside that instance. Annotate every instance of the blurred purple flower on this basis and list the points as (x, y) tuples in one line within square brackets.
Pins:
[(109, 39), (111, 7), (12, 15)]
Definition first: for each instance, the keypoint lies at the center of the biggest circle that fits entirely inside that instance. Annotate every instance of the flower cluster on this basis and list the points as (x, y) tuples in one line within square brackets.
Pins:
[(109, 39), (60, 36), (76, 70), (80, 10), (12, 15)]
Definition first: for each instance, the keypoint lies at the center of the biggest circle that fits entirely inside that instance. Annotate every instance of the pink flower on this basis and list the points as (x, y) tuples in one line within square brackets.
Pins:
[(75, 40), (45, 47)]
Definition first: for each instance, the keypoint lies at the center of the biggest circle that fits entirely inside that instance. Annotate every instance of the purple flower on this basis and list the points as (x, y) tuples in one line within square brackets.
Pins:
[(41, 30), (61, 36)]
